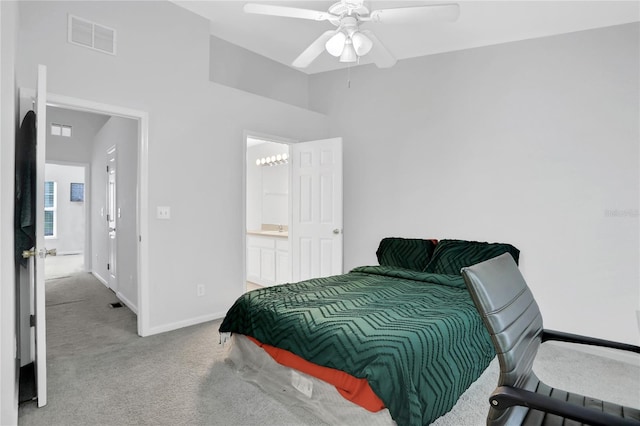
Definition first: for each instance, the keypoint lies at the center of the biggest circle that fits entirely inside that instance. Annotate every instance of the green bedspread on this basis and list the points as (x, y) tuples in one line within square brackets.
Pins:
[(415, 336)]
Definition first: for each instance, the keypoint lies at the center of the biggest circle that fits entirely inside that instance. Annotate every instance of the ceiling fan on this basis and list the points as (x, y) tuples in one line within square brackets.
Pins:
[(347, 41)]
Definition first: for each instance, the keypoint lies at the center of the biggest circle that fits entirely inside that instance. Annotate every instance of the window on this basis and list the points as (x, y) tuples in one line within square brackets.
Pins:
[(50, 197)]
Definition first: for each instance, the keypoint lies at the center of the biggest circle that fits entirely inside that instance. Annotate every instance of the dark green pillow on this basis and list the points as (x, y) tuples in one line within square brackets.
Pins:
[(409, 253), (452, 255)]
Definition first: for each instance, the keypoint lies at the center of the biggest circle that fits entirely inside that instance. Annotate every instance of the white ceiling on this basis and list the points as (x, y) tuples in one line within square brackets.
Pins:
[(481, 23)]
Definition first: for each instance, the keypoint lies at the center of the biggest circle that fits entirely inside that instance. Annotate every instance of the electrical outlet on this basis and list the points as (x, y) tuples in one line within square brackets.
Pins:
[(200, 290), (163, 212)]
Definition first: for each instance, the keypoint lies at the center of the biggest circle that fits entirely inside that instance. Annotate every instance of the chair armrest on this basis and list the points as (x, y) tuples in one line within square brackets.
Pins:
[(584, 340), (506, 396)]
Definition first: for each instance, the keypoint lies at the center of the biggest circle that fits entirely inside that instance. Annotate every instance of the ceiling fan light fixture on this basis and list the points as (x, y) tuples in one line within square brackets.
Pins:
[(361, 43), (349, 53), (347, 42), (335, 45)]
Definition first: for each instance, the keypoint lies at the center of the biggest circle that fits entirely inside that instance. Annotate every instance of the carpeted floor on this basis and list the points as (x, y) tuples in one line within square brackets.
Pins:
[(102, 373)]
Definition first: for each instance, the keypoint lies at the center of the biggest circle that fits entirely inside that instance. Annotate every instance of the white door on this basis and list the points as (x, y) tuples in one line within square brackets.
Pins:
[(37, 261), (316, 216), (112, 209)]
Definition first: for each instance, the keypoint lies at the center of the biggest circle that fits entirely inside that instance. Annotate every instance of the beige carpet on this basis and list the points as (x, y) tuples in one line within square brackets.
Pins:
[(102, 373)]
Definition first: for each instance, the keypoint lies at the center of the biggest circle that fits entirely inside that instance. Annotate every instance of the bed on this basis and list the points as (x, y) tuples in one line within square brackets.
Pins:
[(407, 328)]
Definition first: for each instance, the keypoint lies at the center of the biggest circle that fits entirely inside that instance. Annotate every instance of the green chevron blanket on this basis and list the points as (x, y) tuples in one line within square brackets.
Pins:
[(415, 336)]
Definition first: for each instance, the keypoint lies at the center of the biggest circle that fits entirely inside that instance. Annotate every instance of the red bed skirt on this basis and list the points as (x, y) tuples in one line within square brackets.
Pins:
[(355, 390)]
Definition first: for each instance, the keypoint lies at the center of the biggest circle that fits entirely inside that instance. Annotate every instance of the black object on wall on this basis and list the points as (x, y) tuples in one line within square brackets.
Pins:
[(25, 188)]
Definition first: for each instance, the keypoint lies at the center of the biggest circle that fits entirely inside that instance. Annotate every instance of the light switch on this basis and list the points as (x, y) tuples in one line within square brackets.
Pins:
[(164, 212)]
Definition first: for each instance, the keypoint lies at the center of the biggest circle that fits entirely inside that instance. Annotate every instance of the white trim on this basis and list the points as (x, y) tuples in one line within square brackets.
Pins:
[(186, 323), (119, 295), (9, 113), (142, 222), (127, 302), (99, 278)]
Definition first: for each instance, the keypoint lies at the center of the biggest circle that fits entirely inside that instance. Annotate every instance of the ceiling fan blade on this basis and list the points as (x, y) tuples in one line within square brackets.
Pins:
[(435, 12), (287, 12), (379, 54), (314, 50)]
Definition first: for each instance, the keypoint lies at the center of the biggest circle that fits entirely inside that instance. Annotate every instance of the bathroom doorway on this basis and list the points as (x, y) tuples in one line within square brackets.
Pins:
[(293, 210), (267, 213)]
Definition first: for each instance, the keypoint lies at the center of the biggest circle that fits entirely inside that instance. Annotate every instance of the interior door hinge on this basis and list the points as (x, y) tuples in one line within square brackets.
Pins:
[(108, 266), (32, 320)]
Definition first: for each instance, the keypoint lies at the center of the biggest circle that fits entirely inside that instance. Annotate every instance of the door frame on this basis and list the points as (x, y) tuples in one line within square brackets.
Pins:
[(112, 244), (142, 202), (268, 138)]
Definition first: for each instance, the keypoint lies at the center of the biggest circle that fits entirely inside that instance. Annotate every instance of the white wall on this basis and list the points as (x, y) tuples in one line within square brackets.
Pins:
[(123, 134), (8, 122), (78, 147), (71, 223), (267, 187), (534, 143), (195, 138), (237, 67)]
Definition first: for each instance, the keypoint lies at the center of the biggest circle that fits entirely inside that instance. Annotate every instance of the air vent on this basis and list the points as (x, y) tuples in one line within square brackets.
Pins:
[(60, 130), (89, 34)]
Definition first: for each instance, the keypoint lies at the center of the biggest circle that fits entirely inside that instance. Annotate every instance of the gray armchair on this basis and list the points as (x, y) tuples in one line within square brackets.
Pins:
[(513, 319)]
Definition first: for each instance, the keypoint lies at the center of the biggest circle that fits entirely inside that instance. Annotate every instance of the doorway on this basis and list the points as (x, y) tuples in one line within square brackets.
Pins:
[(65, 218), (305, 240), (105, 142), (267, 213), (137, 199)]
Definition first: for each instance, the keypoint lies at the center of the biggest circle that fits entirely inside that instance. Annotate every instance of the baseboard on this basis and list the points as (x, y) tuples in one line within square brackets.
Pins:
[(127, 302), (616, 355), (99, 278), (185, 323)]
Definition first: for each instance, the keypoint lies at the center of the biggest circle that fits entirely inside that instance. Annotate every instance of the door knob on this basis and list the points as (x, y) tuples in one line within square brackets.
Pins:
[(336, 231), (42, 253)]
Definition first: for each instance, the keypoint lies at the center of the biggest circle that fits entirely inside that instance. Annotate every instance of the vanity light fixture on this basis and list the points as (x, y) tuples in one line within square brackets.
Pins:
[(273, 160)]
